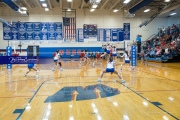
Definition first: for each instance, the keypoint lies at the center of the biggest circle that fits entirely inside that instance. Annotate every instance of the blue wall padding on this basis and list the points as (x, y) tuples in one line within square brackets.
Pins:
[(47, 52)]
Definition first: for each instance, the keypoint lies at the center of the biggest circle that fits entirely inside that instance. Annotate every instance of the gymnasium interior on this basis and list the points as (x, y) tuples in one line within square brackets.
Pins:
[(146, 32)]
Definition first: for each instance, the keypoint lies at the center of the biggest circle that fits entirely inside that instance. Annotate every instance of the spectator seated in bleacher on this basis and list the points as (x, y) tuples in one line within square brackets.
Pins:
[(166, 46)]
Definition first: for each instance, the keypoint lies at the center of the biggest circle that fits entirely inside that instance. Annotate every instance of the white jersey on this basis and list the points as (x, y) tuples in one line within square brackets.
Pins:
[(108, 47), (56, 56), (126, 57), (110, 65), (113, 50)]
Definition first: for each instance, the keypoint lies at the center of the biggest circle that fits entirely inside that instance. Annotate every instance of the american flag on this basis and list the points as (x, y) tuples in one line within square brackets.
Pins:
[(70, 29)]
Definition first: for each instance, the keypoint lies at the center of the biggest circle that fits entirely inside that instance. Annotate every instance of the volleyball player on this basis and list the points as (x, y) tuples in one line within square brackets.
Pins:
[(30, 67), (114, 53), (126, 59), (108, 48), (87, 60), (110, 69), (56, 58), (82, 54), (98, 58)]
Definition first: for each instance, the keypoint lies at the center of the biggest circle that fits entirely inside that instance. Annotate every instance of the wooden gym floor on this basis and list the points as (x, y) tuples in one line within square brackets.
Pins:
[(150, 93)]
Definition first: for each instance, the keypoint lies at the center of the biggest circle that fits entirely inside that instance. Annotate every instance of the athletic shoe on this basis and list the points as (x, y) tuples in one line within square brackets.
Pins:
[(61, 69), (123, 81), (25, 75), (99, 80), (53, 69), (37, 76)]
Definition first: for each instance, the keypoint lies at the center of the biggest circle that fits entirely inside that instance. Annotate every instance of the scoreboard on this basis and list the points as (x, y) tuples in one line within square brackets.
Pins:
[(90, 30)]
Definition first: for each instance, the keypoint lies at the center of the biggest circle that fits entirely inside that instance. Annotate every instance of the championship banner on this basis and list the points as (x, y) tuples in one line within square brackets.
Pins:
[(126, 31), (33, 31)]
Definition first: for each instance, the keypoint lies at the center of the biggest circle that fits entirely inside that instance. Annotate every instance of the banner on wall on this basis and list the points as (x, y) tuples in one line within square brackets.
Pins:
[(133, 56), (33, 31), (9, 53), (80, 36), (126, 31)]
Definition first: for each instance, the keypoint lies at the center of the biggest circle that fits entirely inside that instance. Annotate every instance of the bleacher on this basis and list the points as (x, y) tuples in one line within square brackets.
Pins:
[(163, 47)]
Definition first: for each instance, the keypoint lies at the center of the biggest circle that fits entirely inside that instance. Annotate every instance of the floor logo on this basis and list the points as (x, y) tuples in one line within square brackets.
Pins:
[(78, 93)]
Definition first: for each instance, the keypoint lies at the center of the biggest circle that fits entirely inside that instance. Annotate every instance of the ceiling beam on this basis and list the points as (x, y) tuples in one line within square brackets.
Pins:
[(50, 6), (27, 3), (72, 4), (82, 4), (114, 4), (170, 8), (104, 4), (38, 3), (136, 4)]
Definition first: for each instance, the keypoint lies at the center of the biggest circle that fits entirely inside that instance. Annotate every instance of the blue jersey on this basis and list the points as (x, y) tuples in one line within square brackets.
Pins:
[(138, 39)]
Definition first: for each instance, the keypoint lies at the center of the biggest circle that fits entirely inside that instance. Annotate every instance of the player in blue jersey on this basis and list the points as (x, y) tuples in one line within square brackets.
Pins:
[(30, 67)]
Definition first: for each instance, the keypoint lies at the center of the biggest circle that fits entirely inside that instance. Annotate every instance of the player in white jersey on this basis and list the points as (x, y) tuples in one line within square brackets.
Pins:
[(126, 59), (108, 48), (110, 69), (114, 53), (56, 57)]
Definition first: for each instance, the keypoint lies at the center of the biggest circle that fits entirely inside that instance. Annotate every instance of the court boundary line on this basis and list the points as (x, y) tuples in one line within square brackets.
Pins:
[(18, 118), (148, 100)]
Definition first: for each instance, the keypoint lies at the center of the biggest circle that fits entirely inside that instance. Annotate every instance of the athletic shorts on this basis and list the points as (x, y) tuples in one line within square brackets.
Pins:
[(55, 60), (127, 61), (30, 66), (109, 69), (114, 54), (108, 51)]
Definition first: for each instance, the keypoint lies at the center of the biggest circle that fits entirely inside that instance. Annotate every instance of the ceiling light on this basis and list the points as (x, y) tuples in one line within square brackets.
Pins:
[(23, 8), (167, 0), (98, 1), (46, 9), (68, 9), (115, 10), (69, 0), (44, 4), (173, 13), (23, 12), (92, 10), (147, 10), (42, 0), (94, 6), (126, 1)]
